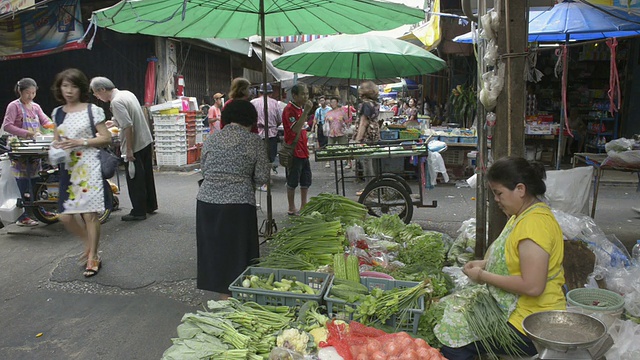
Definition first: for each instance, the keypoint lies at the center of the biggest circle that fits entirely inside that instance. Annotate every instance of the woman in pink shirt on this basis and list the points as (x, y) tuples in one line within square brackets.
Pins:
[(23, 118)]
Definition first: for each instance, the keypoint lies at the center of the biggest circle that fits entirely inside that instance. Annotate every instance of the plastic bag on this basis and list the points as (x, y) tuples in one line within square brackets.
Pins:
[(58, 156), (569, 190), (625, 336), (463, 248), (355, 233), (460, 280), (280, 353), (618, 145), (9, 194), (436, 165)]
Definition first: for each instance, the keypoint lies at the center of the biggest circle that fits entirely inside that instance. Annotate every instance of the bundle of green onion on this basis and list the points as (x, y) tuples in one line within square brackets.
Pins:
[(335, 207), (307, 245)]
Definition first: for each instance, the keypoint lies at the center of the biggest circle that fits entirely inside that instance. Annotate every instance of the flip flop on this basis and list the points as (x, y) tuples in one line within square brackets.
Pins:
[(293, 213)]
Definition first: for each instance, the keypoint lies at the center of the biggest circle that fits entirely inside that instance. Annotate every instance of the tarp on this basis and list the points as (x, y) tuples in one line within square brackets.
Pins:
[(53, 27)]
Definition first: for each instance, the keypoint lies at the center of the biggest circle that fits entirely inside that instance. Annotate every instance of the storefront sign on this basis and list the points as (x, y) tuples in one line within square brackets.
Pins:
[(54, 27), (9, 6)]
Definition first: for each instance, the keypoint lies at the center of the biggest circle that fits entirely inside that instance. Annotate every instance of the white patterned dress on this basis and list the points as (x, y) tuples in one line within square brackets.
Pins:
[(82, 188)]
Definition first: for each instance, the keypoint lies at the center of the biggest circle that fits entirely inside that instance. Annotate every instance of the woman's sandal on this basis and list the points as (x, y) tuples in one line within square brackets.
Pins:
[(93, 267)]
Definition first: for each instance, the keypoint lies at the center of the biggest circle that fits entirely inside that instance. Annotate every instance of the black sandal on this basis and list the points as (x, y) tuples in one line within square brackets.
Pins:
[(92, 270)]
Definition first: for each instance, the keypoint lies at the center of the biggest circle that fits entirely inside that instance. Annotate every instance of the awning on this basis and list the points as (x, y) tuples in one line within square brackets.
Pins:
[(240, 46), (272, 55)]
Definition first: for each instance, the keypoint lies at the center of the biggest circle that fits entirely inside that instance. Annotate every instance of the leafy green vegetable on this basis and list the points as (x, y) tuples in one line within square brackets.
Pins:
[(389, 225), (426, 250), (429, 319)]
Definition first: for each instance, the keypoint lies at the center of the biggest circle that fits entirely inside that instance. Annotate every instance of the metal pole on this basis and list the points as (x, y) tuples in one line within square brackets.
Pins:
[(270, 225), (562, 109), (481, 157)]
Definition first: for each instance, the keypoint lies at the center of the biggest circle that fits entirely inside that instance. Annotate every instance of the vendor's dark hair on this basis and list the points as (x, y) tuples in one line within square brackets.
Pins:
[(295, 89), (240, 112), (511, 171), (77, 78), (334, 98), (23, 85)]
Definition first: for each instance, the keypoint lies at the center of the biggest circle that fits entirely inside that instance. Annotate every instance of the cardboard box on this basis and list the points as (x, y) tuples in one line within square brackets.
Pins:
[(538, 129)]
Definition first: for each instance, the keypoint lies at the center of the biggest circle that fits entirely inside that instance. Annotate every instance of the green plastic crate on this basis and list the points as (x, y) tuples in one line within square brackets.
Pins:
[(317, 281), (343, 310)]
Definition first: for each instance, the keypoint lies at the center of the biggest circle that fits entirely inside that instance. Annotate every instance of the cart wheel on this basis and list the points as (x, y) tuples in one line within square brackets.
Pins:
[(47, 211), (388, 197)]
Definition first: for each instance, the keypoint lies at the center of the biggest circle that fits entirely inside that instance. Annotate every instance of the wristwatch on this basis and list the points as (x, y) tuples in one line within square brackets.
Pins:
[(85, 142)]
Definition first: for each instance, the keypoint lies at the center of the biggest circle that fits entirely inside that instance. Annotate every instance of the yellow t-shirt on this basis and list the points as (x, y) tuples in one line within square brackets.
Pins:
[(540, 226)]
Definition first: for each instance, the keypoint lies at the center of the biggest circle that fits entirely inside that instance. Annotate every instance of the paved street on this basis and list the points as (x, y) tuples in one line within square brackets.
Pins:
[(131, 309)]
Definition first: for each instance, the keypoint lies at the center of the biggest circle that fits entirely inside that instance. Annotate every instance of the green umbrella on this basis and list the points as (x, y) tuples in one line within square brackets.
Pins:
[(236, 19), (361, 57)]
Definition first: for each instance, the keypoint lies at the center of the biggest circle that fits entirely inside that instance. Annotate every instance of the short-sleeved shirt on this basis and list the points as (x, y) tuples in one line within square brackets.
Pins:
[(290, 115), (321, 113), (541, 227), (337, 122), (214, 113), (127, 112), (370, 110)]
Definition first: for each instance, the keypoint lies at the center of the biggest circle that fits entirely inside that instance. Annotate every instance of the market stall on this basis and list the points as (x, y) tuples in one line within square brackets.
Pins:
[(386, 192)]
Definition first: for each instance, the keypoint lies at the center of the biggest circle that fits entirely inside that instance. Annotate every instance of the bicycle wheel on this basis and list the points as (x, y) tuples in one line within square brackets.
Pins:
[(46, 203), (388, 197)]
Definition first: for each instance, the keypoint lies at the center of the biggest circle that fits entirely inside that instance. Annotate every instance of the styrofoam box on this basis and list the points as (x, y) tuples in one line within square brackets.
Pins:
[(174, 127), (173, 137)]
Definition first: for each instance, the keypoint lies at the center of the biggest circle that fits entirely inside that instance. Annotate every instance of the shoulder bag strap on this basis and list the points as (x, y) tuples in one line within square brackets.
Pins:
[(93, 126)]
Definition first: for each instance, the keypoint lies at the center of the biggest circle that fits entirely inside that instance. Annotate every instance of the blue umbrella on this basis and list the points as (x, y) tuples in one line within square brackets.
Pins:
[(577, 21)]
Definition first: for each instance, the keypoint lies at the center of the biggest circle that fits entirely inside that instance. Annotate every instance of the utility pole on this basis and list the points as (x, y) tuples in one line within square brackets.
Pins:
[(508, 133)]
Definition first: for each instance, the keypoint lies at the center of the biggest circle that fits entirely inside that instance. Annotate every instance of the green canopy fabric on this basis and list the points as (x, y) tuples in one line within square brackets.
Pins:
[(234, 19), (361, 57)]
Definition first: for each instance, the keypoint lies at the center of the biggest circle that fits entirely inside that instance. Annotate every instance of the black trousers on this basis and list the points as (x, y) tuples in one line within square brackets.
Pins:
[(142, 188)]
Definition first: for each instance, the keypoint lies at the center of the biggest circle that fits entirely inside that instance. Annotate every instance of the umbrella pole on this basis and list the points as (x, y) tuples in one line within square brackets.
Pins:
[(270, 226)]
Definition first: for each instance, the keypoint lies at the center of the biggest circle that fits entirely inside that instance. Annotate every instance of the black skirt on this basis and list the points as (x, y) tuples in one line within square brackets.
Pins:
[(227, 239)]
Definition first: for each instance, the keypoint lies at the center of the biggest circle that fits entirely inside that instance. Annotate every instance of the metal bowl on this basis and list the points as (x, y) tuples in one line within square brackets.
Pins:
[(563, 330)]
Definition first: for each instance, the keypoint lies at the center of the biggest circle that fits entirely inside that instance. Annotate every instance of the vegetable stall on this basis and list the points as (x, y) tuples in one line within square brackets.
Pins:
[(336, 284)]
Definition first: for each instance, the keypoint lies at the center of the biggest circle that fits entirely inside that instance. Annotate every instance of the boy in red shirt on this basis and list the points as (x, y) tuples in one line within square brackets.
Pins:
[(294, 117)]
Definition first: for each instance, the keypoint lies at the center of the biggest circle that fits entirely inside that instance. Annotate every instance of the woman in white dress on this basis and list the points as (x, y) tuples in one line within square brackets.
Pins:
[(82, 194)]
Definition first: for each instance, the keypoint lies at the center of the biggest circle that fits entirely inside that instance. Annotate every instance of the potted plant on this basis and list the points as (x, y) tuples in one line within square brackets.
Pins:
[(463, 103)]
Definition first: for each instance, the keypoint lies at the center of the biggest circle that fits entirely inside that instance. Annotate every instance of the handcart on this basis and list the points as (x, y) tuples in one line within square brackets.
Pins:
[(43, 199), (385, 193)]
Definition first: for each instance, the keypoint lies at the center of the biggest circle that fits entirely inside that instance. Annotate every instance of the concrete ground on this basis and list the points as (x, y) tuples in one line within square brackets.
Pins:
[(131, 309)]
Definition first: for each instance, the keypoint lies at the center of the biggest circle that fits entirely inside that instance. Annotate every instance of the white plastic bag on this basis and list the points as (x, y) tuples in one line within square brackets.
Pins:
[(9, 194), (58, 156), (436, 165), (625, 336), (569, 190)]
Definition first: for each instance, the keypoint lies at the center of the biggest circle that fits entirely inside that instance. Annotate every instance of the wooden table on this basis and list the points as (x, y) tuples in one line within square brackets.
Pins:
[(597, 160)]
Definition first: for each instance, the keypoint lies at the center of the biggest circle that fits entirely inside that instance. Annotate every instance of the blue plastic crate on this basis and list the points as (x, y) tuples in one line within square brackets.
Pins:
[(317, 281), (343, 310), (389, 134), (468, 139), (449, 139)]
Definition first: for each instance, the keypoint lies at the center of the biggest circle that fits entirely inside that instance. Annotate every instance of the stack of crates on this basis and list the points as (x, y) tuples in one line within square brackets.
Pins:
[(171, 140), (192, 126)]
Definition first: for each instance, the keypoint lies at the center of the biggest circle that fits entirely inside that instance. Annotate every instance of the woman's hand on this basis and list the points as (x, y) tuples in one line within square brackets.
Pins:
[(66, 143), (473, 272)]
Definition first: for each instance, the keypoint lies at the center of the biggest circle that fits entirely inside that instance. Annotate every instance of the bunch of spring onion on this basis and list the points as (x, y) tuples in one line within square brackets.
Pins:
[(230, 330), (489, 323), (335, 207), (381, 305), (307, 245)]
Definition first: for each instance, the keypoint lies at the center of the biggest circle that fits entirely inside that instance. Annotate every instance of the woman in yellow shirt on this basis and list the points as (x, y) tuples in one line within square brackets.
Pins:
[(523, 267)]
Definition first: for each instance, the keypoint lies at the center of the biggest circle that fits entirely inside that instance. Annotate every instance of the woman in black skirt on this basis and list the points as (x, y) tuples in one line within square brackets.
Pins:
[(233, 161)]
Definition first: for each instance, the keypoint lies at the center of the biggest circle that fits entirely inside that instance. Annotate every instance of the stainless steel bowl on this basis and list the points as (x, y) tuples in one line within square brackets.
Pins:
[(563, 330)]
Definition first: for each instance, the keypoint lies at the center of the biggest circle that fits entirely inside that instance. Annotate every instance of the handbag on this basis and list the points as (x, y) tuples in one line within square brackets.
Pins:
[(285, 154), (108, 160)]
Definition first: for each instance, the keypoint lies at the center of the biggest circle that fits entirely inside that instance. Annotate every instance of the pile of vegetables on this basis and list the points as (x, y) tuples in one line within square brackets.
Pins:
[(381, 305), (284, 285), (359, 342), (229, 330), (385, 225), (307, 245), (348, 269), (335, 207)]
